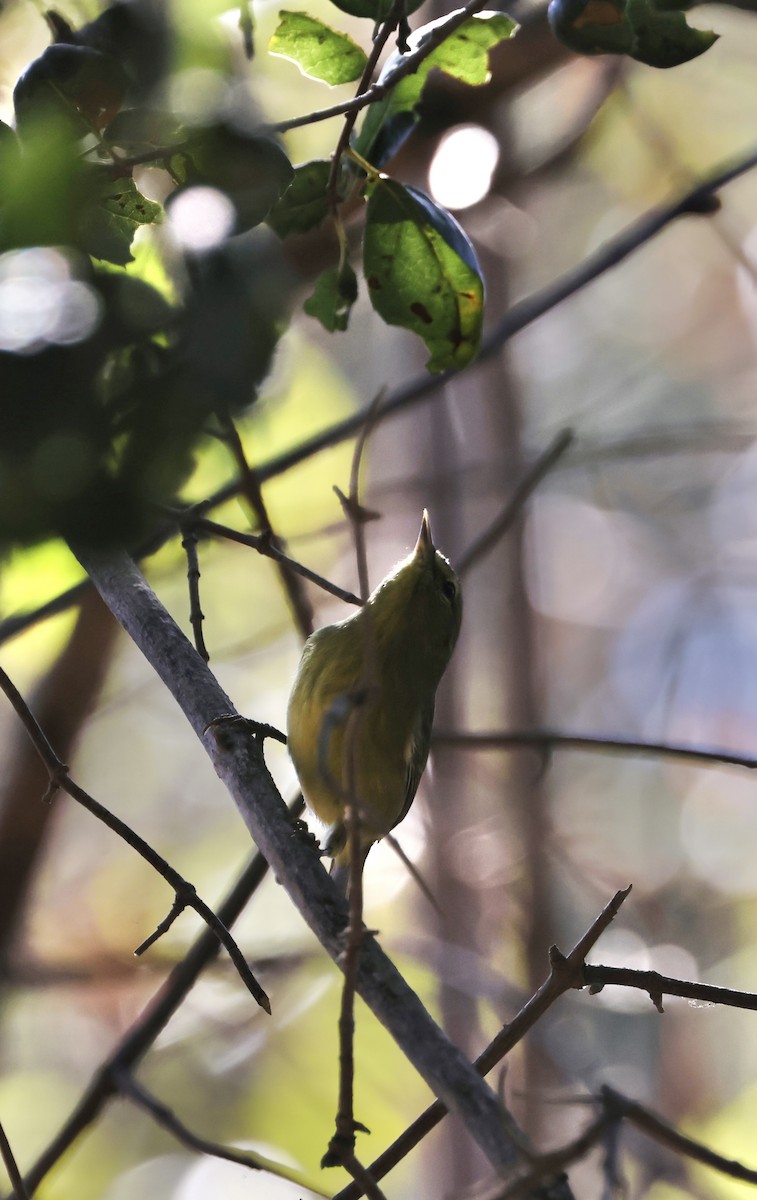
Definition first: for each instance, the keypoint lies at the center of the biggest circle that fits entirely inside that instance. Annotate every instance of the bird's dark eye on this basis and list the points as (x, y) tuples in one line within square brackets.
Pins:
[(449, 590)]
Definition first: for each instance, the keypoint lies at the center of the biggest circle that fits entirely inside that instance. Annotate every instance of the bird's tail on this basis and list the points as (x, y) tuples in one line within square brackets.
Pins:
[(340, 873), (340, 869)]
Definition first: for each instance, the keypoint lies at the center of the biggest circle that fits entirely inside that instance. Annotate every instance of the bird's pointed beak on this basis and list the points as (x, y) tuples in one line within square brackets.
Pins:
[(424, 547)]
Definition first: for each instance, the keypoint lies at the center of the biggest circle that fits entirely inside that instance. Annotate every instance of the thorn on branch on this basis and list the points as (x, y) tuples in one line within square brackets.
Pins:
[(341, 1148), (353, 510)]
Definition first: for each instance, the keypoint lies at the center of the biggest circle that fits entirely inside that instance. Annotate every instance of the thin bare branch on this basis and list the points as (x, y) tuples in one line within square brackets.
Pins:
[(250, 488), (186, 896), (11, 1166), (382, 37), (515, 503), (265, 546), (549, 739), (196, 615), (667, 1135), (565, 973), (598, 976), (166, 1118), (155, 1016)]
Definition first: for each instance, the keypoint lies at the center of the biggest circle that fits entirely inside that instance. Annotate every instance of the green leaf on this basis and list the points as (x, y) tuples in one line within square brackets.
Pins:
[(253, 171), (464, 55), (376, 10), (638, 28), (333, 298), (318, 50), (422, 273), (112, 217), (81, 87), (305, 203)]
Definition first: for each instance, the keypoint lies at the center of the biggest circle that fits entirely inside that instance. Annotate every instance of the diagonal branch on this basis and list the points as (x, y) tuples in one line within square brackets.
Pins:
[(565, 973), (143, 1033), (238, 762), (11, 1166)]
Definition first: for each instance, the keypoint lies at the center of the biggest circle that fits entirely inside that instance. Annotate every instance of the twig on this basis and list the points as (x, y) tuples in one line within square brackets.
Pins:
[(167, 1119), (11, 1166), (412, 871), (377, 91), (615, 1108), (654, 1127), (565, 973), (382, 37), (363, 1177), (196, 615), (155, 1016), (512, 508), (557, 1160), (251, 490), (546, 739), (186, 896), (265, 546), (597, 976), (341, 1149)]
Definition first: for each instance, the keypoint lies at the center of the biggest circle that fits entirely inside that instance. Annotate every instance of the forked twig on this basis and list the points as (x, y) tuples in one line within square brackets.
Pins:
[(186, 896)]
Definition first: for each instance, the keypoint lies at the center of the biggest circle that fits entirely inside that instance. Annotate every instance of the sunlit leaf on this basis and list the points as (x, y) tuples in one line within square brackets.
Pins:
[(319, 51), (422, 273), (464, 55)]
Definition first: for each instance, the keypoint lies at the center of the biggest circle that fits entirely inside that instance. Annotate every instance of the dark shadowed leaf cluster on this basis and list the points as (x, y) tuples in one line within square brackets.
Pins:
[(105, 387), (656, 34)]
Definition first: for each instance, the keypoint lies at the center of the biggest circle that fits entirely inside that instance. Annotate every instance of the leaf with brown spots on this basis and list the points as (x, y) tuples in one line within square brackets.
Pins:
[(422, 273)]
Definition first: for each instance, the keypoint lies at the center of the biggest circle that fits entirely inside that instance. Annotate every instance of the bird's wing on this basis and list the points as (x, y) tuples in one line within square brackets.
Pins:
[(417, 754)]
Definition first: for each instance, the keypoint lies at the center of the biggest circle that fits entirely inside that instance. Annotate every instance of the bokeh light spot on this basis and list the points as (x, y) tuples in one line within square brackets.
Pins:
[(461, 170), (201, 217), (41, 303)]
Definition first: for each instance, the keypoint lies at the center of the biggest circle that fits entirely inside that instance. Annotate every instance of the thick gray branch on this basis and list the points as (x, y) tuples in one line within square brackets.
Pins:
[(239, 764)]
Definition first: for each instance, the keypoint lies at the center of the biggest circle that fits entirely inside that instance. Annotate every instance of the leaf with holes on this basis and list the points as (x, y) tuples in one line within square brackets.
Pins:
[(317, 50), (112, 217), (422, 273)]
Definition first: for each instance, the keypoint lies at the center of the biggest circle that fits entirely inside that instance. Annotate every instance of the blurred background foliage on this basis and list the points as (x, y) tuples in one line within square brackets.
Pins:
[(621, 603)]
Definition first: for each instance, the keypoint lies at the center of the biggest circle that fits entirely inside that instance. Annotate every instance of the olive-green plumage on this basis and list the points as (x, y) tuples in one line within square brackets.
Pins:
[(394, 651)]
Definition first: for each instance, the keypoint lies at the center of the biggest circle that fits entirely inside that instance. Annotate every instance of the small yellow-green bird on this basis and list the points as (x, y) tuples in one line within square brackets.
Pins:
[(383, 666)]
